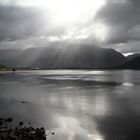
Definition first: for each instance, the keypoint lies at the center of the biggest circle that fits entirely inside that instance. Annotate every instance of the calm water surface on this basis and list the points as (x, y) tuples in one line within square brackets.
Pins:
[(77, 105)]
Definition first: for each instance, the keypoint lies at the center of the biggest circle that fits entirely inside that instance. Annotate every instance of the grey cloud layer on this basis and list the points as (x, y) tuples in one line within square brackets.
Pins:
[(17, 23), (122, 18), (21, 23)]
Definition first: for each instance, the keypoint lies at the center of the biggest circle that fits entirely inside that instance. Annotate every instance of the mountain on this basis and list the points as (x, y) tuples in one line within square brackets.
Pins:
[(79, 57), (65, 56), (133, 62), (132, 56)]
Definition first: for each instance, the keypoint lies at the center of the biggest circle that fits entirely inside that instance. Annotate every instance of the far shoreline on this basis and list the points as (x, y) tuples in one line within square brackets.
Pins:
[(86, 69)]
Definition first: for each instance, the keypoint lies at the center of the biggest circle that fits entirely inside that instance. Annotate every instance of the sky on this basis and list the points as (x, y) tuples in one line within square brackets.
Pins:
[(39, 23)]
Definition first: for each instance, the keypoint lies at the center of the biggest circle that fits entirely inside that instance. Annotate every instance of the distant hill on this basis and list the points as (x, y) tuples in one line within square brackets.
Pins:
[(133, 62), (82, 57), (63, 56), (132, 56)]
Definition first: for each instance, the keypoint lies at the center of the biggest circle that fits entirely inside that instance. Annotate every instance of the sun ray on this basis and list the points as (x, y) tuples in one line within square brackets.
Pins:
[(65, 12)]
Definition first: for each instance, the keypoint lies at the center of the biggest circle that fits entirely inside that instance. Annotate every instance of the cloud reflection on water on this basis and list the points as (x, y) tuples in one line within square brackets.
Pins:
[(75, 109)]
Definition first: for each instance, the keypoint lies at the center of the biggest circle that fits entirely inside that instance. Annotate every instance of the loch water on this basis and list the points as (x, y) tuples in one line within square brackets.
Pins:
[(75, 104)]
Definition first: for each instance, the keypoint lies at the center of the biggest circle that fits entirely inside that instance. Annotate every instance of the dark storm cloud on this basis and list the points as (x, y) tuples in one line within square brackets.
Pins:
[(123, 20), (135, 2), (20, 23)]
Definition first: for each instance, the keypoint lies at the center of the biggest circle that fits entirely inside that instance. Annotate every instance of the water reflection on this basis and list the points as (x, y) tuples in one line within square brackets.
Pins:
[(77, 105), (75, 129)]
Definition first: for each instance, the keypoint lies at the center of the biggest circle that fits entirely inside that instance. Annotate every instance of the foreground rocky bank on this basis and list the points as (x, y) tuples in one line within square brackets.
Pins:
[(20, 131)]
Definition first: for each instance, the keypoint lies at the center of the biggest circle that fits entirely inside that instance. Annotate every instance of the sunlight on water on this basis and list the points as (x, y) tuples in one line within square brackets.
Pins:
[(76, 104), (73, 127), (102, 106), (128, 84), (95, 137)]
